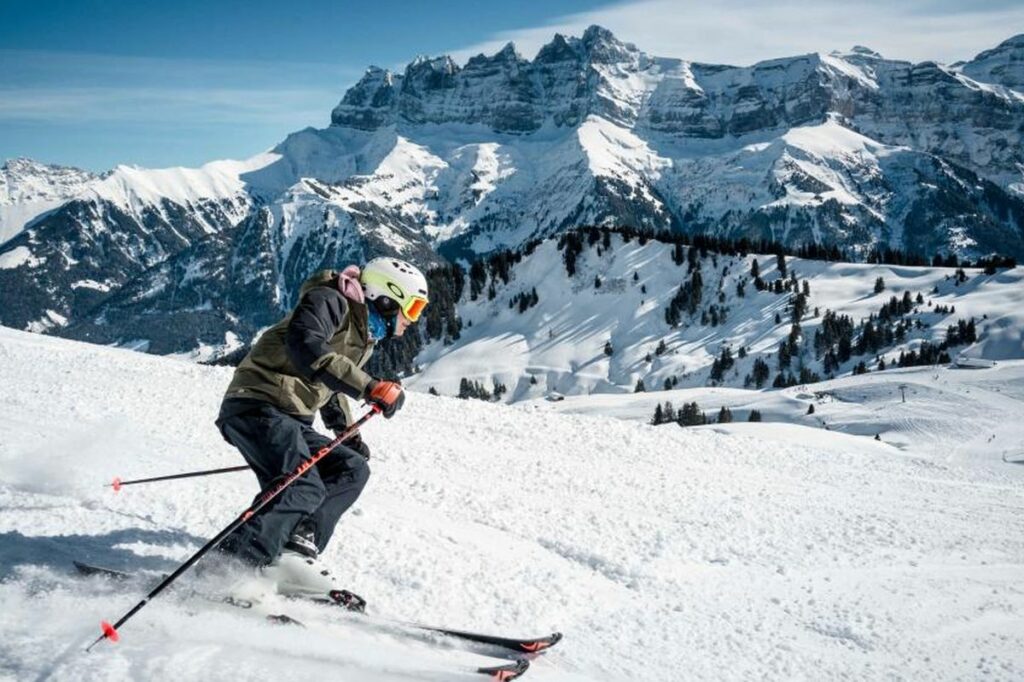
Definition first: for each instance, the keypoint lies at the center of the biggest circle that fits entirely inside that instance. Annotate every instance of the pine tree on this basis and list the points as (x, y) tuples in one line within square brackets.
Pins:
[(784, 354), (690, 415), (724, 415), (608, 350), (755, 416), (639, 388), (810, 409), (761, 372), (879, 285)]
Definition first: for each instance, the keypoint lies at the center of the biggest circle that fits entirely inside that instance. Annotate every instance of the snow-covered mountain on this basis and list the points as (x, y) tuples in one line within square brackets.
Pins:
[(454, 161), (28, 189), (731, 552), (606, 327), (1003, 65)]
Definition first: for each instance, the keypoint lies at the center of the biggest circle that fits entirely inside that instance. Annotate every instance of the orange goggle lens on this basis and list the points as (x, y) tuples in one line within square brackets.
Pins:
[(414, 308)]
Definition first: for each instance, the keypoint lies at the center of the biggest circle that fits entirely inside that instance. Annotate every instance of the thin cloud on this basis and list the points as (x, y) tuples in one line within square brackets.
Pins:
[(744, 32), (55, 87), (162, 105)]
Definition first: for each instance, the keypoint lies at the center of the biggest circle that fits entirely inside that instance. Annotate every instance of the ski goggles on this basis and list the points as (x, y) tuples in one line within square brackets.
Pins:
[(413, 307)]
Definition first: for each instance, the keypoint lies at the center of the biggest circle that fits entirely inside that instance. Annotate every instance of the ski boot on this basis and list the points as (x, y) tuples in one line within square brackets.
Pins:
[(299, 573)]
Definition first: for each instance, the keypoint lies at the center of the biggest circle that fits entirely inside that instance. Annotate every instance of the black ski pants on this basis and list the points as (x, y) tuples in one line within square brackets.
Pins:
[(275, 443)]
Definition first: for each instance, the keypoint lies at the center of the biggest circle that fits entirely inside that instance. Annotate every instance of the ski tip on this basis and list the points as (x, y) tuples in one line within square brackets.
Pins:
[(109, 631), (538, 645), (116, 484), (504, 673)]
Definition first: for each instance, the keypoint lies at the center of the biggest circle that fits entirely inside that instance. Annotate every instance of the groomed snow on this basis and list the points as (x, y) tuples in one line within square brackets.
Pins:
[(744, 552)]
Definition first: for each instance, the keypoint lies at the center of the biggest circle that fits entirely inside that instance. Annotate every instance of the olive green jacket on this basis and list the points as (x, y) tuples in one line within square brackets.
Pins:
[(317, 351)]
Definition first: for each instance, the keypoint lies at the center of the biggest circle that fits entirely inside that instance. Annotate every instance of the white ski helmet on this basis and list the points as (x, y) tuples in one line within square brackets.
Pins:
[(395, 285)]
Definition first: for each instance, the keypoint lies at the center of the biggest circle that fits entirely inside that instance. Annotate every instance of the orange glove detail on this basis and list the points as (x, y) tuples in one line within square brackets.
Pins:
[(387, 395)]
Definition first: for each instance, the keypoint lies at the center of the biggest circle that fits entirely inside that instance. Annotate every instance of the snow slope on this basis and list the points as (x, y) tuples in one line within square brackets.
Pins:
[(950, 415), (754, 551), (558, 345)]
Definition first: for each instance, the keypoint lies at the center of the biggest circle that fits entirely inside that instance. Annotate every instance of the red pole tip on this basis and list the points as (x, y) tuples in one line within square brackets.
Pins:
[(116, 484), (108, 631)]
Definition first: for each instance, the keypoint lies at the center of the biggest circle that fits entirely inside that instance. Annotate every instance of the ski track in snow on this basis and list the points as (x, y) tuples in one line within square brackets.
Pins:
[(732, 552)]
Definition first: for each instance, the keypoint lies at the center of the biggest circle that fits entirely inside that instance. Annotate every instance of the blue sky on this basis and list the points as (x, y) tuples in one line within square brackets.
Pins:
[(95, 83)]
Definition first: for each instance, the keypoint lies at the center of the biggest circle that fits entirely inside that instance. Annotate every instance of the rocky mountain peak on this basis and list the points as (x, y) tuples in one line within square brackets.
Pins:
[(507, 53), (25, 165), (601, 46), (867, 52), (368, 104), (558, 50), (1003, 64), (24, 179), (425, 74), (1014, 43)]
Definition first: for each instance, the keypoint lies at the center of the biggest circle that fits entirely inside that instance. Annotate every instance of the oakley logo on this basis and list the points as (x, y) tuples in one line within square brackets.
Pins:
[(396, 290)]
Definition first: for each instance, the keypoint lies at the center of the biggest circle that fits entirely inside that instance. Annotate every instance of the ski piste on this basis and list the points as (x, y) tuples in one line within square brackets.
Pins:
[(525, 647)]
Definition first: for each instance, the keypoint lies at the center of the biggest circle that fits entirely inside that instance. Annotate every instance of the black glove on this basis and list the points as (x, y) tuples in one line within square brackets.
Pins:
[(387, 395), (355, 442)]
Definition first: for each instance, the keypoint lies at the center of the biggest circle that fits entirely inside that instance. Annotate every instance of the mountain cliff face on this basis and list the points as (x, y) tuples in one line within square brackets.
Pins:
[(617, 134), (449, 160)]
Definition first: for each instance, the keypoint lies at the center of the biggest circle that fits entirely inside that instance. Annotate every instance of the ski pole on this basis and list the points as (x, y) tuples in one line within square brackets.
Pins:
[(117, 482), (110, 631)]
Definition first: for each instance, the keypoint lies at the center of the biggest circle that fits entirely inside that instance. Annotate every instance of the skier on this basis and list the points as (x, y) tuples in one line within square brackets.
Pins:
[(301, 365)]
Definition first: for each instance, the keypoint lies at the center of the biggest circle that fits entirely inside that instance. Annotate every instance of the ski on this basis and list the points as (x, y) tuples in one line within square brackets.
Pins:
[(529, 647), (499, 673), (349, 601), (341, 598), (525, 646), (114, 574), (504, 673)]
